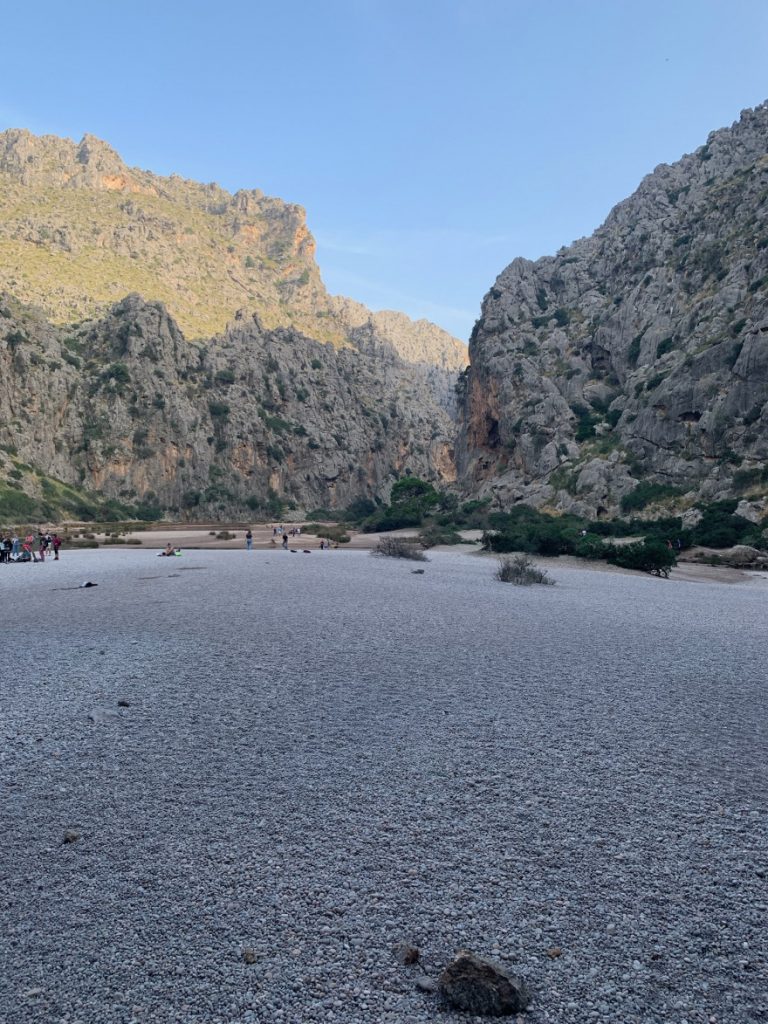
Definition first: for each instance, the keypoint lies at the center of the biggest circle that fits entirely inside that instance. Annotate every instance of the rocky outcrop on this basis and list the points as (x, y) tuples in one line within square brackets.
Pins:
[(176, 399), (475, 985), (125, 406), (79, 230), (639, 354)]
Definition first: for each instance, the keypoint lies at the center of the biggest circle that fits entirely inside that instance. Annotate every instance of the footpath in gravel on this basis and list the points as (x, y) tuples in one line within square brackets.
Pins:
[(314, 757)]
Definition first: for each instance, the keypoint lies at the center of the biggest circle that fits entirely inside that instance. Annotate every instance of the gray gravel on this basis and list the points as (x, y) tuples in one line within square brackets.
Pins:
[(324, 754)]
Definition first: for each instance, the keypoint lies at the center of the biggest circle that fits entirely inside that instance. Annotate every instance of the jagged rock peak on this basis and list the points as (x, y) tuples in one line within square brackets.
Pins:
[(635, 355)]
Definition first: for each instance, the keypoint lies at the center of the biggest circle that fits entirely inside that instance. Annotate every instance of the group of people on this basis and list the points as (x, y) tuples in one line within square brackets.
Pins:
[(29, 548), (280, 531)]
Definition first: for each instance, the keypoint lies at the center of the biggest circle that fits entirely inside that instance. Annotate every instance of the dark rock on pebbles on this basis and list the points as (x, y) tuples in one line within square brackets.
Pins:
[(406, 954), (476, 985)]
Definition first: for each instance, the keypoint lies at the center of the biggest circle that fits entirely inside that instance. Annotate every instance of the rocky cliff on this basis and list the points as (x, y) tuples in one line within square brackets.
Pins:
[(175, 399), (79, 230), (124, 406), (638, 355)]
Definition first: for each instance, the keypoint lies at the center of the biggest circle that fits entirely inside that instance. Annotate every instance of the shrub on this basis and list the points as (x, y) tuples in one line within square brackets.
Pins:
[(521, 571), (433, 535), (526, 529), (118, 372), (562, 317), (400, 547), (358, 510), (590, 547), (225, 535), (218, 409), (586, 422), (647, 492), (720, 528), (633, 352), (337, 534), (411, 500), (649, 555)]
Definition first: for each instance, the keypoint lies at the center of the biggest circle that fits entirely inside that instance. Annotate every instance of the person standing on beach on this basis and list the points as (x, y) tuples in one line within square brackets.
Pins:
[(56, 540), (249, 541), (285, 542)]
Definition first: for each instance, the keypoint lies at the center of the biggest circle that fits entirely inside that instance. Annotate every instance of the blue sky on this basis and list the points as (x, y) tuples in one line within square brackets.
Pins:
[(430, 142)]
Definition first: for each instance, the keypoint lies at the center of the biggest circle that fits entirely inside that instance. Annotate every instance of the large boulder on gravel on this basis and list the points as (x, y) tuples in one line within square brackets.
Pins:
[(476, 985), (744, 555), (741, 556)]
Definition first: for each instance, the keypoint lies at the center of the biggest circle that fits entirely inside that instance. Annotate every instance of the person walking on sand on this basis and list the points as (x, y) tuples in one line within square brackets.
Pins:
[(249, 541), (285, 542), (56, 540)]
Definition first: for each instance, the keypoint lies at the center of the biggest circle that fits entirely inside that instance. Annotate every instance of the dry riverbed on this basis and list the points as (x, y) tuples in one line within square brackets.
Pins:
[(314, 757)]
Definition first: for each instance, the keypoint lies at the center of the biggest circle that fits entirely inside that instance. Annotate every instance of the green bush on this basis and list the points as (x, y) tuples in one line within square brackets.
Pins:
[(720, 528), (586, 421), (646, 493), (431, 536), (411, 501), (117, 372), (652, 556), (358, 510), (591, 547)]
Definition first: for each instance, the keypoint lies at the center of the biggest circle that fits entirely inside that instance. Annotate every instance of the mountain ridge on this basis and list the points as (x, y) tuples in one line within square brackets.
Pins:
[(79, 230)]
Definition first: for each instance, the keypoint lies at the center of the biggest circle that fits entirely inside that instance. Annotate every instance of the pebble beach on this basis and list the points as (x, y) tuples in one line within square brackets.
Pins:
[(270, 768)]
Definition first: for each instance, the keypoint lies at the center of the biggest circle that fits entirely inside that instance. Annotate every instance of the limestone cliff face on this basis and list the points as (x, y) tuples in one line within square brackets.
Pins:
[(638, 353), (123, 405), (79, 230), (175, 398)]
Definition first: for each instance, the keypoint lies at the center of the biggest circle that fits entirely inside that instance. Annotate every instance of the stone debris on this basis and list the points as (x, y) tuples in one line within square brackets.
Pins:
[(406, 954), (476, 985)]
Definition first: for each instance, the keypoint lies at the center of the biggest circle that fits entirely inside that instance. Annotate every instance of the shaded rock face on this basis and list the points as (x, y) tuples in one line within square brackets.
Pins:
[(123, 405), (475, 985), (638, 353)]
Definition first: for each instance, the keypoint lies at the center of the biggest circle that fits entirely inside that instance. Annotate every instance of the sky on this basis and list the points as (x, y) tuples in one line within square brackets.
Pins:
[(430, 141)]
